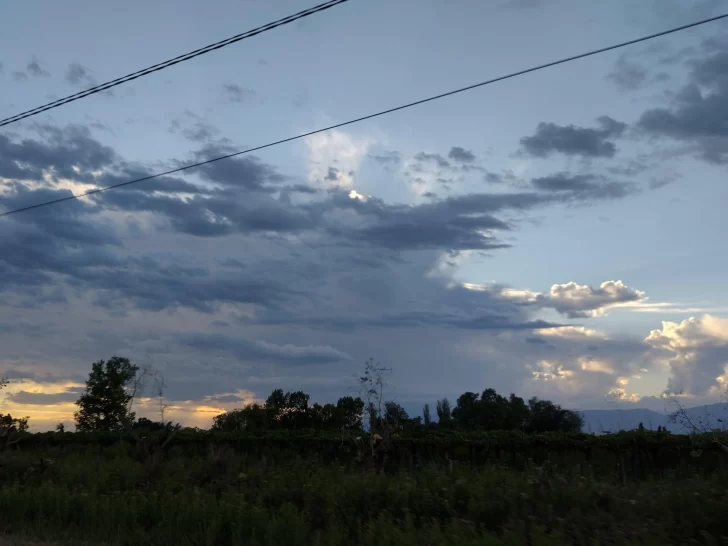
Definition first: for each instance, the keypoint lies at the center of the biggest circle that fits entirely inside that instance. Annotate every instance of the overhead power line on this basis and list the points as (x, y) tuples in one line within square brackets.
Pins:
[(370, 116), (171, 62)]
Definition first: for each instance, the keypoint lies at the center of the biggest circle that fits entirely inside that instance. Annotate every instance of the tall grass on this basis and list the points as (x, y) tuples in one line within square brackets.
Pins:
[(227, 497)]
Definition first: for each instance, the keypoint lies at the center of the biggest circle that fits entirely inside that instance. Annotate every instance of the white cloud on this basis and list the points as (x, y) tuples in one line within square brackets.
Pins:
[(696, 352), (571, 332), (619, 393), (590, 364), (571, 299), (551, 371), (334, 158), (582, 301)]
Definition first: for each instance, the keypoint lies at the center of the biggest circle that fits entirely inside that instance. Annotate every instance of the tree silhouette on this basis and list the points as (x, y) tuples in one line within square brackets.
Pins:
[(105, 403), (444, 414), (395, 414), (426, 415)]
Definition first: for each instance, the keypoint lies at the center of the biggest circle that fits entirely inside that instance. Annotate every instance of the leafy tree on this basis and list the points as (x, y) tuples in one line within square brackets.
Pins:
[(296, 411), (489, 411), (444, 413), (9, 424), (549, 417), (251, 418), (60, 428), (395, 414), (288, 410), (466, 412), (426, 415), (11, 430), (641, 427), (105, 403), (275, 404), (148, 425), (322, 417), (495, 411), (518, 414), (349, 411)]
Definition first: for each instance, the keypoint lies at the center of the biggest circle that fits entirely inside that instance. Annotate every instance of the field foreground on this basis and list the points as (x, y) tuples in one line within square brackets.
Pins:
[(222, 495)]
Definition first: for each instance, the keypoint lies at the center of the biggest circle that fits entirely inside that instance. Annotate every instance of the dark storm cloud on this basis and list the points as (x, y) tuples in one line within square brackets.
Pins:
[(483, 322), (244, 203), (453, 224), (459, 222), (461, 155), (59, 151), (163, 184), (332, 175), (437, 158), (22, 376), (227, 399), (245, 171), (193, 127), (43, 243), (79, 75), (73, 245), (411, 320), (628, 75), (151, 285), (467, 168), (199, 132), (237, 93), (415, 233), (424, 302), (584, 184), (69, 244), (31, 255), (697, 112), (302, 188), (496, 178), (244, 349), (573, 140), (456, 223), (42, 399), (34, 69), (388, 157)]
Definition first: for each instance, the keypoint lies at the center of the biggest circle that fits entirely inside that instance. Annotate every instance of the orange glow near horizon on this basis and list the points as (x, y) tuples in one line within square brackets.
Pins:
[(46, 416)]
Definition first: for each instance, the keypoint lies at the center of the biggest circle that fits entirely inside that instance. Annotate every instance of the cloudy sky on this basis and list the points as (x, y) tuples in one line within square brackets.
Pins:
[(560, 234)]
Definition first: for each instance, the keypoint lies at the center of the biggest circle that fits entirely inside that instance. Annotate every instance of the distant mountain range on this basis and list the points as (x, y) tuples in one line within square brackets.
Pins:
[(614, 420)]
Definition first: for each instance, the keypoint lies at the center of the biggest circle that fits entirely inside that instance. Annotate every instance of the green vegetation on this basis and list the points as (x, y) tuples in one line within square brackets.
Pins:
[(493, 470), (313, 488)]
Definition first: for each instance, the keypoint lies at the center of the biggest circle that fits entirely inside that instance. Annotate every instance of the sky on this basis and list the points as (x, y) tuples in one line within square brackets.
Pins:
[(559, 234)]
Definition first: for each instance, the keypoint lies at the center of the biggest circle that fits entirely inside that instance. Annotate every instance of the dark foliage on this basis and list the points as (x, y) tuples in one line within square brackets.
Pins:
[(104, 405)]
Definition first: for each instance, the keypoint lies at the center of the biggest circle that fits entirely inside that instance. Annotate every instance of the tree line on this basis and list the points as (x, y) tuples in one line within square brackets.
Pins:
[(107, 401)]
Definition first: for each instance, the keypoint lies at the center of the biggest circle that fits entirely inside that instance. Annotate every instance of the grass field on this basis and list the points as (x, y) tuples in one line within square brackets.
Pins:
[(107, 496)]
